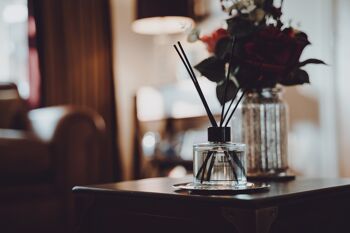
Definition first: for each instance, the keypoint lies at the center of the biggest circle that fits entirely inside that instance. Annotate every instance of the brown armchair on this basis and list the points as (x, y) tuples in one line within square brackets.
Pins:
[(43, 154)]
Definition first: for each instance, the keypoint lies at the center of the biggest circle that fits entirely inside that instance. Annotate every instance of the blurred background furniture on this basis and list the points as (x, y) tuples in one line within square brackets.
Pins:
[(168, 120), (43, 153), (161, 145)]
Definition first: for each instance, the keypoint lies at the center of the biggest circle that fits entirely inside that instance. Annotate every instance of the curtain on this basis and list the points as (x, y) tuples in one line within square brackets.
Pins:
[(75, 54), (33, 60)]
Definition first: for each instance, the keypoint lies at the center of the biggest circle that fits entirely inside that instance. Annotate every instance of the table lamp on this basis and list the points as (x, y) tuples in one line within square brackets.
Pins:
[(155, 17)]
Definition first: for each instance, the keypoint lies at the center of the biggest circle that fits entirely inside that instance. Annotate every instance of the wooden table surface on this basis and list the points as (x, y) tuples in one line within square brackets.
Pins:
[(292, 206)]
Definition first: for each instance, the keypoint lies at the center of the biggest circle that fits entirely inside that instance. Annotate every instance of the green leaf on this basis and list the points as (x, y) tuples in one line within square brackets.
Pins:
[(212, 68), (302, 38), (296, 77), (311, 61), (223, 48), (239, 27), (230, 92)]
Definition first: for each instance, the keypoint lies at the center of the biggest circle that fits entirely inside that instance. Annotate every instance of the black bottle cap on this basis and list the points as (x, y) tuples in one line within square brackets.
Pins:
[(219, 134)]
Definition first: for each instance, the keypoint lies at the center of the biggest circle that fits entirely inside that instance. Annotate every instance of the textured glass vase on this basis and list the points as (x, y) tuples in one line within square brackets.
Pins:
[(261, 123)]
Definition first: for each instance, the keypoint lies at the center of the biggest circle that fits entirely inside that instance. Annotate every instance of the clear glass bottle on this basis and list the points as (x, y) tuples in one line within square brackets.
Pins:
[(263, 121), (219, 162)]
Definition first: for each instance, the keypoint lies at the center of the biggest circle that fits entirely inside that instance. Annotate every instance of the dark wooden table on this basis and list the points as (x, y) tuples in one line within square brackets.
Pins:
[(152, 205)]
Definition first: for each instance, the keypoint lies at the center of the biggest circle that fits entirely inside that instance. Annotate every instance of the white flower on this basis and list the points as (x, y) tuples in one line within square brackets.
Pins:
[(193, 36), (245, 6)]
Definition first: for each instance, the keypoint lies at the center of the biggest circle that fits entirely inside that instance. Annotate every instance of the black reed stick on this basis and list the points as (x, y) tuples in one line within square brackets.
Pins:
[(223, 98), (187, 61), (195, 82), (234, 109), (238, 162), (229, 107), (199, 90), (204, 164), (211, 165), (230, 162)]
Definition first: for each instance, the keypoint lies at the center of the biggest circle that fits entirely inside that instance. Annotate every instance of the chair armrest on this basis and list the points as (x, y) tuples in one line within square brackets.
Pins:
[(76, 137), (22, 155), (48, 123)]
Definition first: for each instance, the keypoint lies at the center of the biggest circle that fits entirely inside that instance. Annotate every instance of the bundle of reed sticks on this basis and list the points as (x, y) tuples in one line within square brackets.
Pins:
[(225, 117), (204, 173)]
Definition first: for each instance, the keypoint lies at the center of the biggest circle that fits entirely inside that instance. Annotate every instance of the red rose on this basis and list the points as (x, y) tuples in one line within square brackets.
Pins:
[(273, 51), (212, 39)]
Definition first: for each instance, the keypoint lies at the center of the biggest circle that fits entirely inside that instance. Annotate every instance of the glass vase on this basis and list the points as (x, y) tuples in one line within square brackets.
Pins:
[(263, 120), (219, 163)]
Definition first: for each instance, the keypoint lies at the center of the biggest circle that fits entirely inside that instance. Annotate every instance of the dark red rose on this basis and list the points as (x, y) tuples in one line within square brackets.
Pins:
[(264, 52), (273, 51), (212, 39)]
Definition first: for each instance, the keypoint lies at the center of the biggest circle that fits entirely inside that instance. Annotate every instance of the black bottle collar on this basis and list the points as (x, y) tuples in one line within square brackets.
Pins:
[(219, 134)]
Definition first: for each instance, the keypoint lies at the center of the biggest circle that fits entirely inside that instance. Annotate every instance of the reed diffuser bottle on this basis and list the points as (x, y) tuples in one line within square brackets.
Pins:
[(219, 161)]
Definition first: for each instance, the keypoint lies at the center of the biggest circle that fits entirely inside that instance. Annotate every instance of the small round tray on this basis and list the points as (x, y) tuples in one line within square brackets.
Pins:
[(222, 189)]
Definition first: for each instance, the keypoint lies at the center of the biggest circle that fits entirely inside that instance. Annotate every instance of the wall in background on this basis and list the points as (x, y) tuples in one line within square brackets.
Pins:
[(133, 55), (313, 134), (322, 147), (140, 60), (342, 62)]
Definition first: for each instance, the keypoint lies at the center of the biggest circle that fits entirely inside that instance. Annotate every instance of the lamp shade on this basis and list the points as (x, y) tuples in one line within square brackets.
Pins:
[(163, 16)]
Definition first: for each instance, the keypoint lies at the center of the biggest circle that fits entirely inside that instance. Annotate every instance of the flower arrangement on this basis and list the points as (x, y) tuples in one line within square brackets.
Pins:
[(258, 48)]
